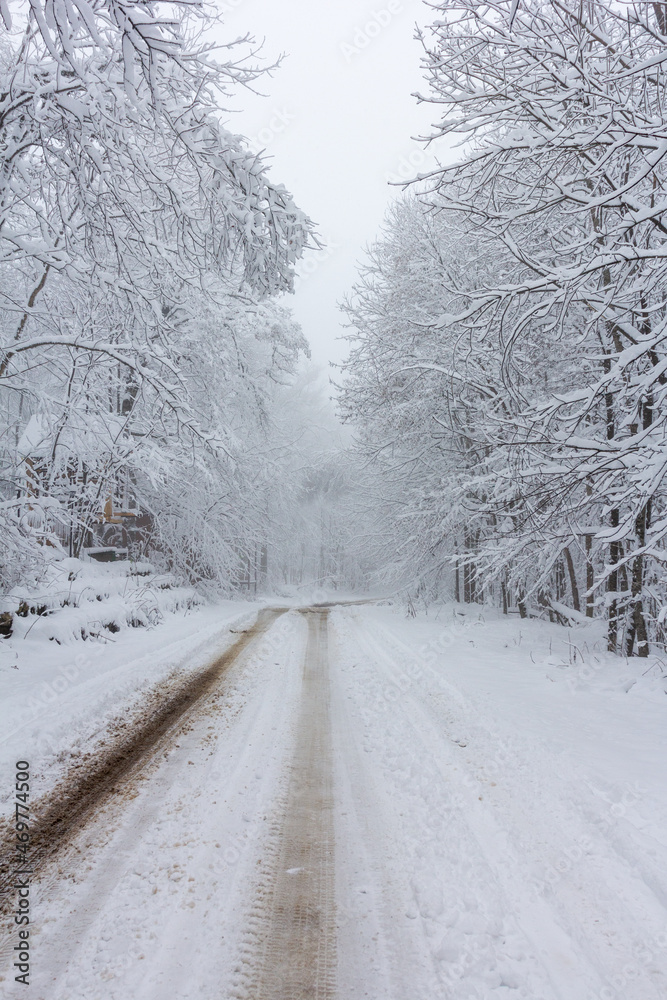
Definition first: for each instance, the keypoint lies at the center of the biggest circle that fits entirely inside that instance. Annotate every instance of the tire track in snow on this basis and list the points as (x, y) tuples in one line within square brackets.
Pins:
[(564, 933), (146, 877), (60, 816), (293, 919)]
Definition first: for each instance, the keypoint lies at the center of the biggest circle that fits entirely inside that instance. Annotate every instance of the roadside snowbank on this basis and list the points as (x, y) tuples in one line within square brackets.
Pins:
[(76, 599), (57, 698)]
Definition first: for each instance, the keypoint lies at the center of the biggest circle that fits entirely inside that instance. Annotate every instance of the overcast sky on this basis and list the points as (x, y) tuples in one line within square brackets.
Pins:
[(337, 121)]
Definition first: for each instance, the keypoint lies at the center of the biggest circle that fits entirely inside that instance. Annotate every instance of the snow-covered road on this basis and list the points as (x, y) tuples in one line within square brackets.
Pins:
[(497, 858), (364, 806)]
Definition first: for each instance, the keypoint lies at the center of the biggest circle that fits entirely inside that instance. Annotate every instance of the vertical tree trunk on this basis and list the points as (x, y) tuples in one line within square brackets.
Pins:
[(469, 572), (466, 568), (590, 576), (614, 547), (521, 604), (573, 579), (590, 569), (638, 630), (660, 11), (612, 587), (556, 591)]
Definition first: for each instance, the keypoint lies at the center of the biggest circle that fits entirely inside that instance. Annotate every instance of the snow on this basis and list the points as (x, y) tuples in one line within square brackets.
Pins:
[(500, 810), (90, 435), (523, 801), (483, 796), (34, 439), (55, 700), (170, 875), (78, 599)]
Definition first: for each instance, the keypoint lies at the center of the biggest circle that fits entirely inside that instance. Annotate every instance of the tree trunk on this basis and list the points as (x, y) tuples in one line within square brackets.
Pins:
[(590, 576), (660, 11), (521, 604), (469, 570), (614, 547), (638, 630), (573, 579), (612, 587)]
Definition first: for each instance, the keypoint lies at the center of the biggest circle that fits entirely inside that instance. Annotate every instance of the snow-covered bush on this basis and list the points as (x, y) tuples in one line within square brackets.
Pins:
[(76, 599)]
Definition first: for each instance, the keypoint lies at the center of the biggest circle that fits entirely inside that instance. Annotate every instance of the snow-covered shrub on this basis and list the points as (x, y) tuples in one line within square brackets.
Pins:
[(77, 600)]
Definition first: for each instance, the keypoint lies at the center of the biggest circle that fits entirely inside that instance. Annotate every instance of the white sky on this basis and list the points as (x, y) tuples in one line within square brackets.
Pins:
[(337, 120)]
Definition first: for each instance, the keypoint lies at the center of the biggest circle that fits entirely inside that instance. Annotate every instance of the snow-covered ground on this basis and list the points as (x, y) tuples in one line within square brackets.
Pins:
[(514, 801), (57, 699), (500, 812)]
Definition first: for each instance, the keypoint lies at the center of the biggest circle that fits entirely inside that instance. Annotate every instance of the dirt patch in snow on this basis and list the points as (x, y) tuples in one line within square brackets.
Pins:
[(105, 772)]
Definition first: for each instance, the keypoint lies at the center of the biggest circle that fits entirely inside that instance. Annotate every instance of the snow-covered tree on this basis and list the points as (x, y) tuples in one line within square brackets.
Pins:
[(556, 206), (561, 107), (129, 215)]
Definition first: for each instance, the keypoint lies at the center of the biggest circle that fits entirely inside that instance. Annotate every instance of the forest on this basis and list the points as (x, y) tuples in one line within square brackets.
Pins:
[(333, 499), (508, 362), (504, 392), (150, 398)]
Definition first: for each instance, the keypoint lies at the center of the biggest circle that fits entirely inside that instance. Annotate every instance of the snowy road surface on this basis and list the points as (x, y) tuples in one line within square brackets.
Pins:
[(348, 804)]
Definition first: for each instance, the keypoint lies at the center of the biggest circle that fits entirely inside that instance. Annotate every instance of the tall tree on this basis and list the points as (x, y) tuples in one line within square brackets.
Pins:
[(125, 206), (560, 105)]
